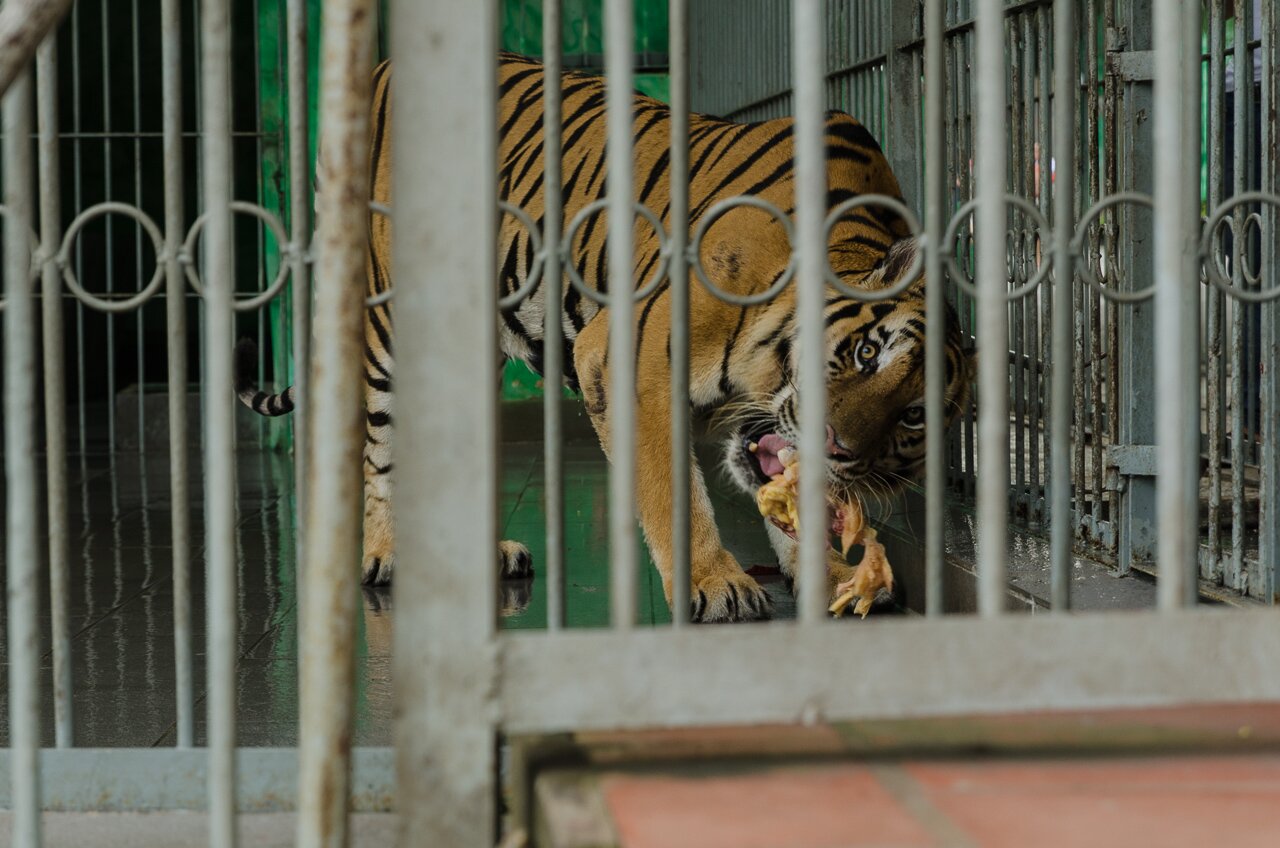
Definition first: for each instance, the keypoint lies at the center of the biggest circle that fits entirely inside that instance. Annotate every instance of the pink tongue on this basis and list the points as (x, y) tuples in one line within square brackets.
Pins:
[(767, 454)]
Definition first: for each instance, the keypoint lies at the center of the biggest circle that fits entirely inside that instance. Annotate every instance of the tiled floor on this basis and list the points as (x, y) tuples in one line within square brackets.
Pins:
[(121, 601), (1175, 777), (1180, 802)]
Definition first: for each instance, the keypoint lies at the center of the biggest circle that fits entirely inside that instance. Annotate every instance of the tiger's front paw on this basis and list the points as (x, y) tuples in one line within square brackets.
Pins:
[(729, 596), (377, 568), (514, 561)]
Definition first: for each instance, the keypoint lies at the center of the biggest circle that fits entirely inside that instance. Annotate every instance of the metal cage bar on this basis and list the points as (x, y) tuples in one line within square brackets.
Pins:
[(447, 345), (22, 551), (935, 306), (623, 558), (678, 216), (1177, 464), (552, 329), (53, 359), (327, 675), (1061, 400), (992, 277), (176, 320), (810, 281), (219, 428)]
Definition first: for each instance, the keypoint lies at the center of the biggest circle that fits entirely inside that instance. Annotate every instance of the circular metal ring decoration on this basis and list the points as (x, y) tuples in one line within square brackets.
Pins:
[(664, 252), (1082, 230), (244, 304), (912, 274), (36, 261), (383, 296), (714, 214), (539, 260), (1206, 244), (69, 275), (957, 273)]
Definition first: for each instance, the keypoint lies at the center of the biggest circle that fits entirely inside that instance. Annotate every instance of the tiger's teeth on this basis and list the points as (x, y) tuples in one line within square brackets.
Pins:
[(752, 446)]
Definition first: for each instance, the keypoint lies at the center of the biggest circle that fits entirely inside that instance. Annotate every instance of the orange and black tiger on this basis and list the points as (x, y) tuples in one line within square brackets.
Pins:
[(741, 358)]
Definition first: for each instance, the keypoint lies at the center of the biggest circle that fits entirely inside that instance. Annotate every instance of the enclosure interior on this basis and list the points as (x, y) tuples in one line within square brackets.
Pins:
[(109, 114)]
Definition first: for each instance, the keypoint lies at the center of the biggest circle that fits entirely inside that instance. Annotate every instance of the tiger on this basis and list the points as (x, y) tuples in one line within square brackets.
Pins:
[(742, 360)]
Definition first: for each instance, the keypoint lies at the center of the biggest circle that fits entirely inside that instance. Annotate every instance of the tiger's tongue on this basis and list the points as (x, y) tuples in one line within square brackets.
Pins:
[(767, 454)]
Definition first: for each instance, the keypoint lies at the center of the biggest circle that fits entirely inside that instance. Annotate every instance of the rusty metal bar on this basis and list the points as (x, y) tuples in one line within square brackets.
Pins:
[(446, 515), (23, 26), (22, 551), (327, 675)]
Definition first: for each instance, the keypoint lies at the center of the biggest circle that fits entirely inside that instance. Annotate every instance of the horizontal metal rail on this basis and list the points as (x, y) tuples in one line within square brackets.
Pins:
[(942, 666)]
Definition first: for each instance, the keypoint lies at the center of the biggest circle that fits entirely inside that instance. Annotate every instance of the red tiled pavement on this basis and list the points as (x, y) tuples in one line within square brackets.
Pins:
[(816, 807), (1197, 802), (1169, 802)]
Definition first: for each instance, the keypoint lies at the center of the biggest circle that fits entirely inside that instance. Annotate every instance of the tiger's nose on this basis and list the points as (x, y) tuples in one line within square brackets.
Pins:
[(835, 450)]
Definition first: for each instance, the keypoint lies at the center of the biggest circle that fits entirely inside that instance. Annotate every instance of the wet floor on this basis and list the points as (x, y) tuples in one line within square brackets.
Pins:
[(121, 599)]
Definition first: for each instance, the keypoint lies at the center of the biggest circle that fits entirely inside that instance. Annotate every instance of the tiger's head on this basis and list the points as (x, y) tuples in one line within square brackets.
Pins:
[(875, 361)]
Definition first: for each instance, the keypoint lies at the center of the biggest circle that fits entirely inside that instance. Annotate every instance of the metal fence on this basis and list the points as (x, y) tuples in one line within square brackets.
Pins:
[(1061, 433), (1111, 468)]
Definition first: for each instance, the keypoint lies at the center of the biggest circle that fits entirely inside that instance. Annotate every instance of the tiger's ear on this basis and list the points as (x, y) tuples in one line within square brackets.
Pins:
[(897, 261)]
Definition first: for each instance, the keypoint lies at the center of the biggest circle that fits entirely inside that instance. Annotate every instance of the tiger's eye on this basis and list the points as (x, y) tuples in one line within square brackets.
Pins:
[(868, 350)]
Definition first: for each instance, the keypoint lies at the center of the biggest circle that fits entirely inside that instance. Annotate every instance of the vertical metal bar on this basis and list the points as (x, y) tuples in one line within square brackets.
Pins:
[(299, 275), (445, 653), (678, 222), (935, 222), (1064, 193), (1044, 321), (964, 133), (1137, 504), (1017, 145), (619, 50), (219, 428), (77, 198), (327, 678), (1177, 518), (109, 223), (993, 367), (1215, 398), (810, 246), (1095, 331), (553, 312), (22, 518), (1269, 518), (139, 280), (1189, 329), (55, 393), (1235, 576), (176, 319)]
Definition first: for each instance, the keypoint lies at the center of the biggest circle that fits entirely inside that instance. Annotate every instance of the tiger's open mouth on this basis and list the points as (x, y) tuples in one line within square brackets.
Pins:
[(763, 456)]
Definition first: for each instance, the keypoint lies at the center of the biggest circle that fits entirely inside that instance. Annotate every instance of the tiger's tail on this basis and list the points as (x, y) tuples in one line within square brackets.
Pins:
[(247, 389)]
